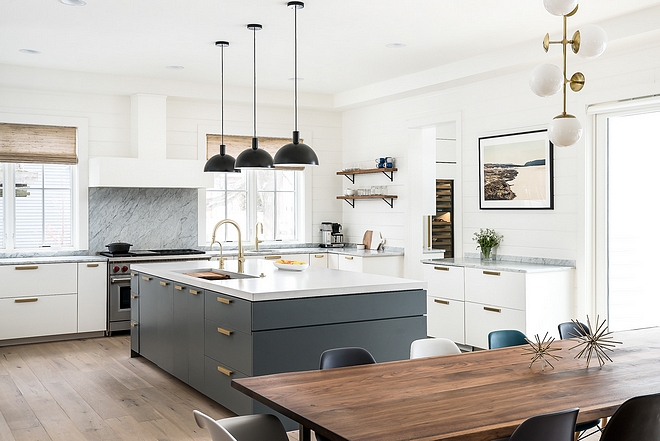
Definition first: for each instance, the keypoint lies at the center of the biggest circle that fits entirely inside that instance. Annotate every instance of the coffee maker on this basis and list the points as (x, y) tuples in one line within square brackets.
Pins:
[(331, 235)]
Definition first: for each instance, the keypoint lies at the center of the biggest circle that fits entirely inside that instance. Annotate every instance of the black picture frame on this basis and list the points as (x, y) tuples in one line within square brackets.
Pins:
[(516, 172)]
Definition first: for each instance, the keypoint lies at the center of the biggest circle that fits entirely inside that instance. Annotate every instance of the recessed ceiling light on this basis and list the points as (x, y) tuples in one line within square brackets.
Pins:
[(73, 2), (174, 67), (29, 51), (395, 45)]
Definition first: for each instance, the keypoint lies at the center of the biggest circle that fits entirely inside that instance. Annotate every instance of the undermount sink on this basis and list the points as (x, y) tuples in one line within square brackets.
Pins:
[(216, 274), (263, 251)]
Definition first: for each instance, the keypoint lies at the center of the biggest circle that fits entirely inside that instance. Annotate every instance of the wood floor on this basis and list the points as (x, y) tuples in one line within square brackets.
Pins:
[(88, 390)]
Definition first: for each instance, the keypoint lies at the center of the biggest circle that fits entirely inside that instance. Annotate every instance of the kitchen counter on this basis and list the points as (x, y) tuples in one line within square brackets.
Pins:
[(499, 265), (36, 260), (278, 284), (349, 251)]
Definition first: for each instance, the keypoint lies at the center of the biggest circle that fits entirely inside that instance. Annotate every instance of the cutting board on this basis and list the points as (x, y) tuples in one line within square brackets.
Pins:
[(372, 240), (209, 275)]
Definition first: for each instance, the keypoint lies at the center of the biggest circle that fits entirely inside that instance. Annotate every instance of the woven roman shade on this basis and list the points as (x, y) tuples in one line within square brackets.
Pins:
[(236, 144), (37, 144)]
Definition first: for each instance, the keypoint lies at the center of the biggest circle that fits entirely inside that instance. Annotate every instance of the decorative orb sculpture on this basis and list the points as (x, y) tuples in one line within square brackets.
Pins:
[(542, 350), (596, 342)]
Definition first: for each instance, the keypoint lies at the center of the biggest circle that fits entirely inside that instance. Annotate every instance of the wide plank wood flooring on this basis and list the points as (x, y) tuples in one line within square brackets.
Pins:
[(91, 390)]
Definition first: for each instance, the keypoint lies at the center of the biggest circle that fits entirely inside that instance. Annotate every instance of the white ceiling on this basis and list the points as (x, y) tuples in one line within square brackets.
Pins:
[(341, 43)]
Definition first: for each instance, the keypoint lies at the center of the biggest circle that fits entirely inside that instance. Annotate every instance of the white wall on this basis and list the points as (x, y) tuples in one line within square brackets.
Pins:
[(500, 105)]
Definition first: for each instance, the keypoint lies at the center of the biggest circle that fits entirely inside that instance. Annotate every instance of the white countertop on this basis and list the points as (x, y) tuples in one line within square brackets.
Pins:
[(278, 284), (499, 265), (35, 260), (350, 251)]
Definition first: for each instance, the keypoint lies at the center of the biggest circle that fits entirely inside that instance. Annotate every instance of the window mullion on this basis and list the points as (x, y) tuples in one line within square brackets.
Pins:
[(10, 204)]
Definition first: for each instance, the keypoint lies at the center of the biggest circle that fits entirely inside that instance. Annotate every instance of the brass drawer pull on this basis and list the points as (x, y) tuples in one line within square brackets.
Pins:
[(30, 300), (134, 325), (92, 265), (226, 332), (491, 273), (163, 283), (348, 257), (319, 256), (178, 288), (133, 274), (442, 302), (486, 308), (194, 291), (227, 372), (223, 300), (134, 297), (145, 278), (441, 268), (27, 267), (272, 257)]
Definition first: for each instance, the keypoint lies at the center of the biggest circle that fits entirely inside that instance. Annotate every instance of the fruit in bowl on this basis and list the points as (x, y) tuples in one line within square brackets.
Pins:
[(290, 265)]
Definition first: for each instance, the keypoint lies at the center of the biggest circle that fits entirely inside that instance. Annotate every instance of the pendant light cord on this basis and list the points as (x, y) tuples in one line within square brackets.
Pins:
[(222, 95), (254, 32), (295, 69)]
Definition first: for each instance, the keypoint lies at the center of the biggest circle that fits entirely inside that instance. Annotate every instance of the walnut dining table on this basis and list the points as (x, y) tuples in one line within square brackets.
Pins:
[(474, 396)]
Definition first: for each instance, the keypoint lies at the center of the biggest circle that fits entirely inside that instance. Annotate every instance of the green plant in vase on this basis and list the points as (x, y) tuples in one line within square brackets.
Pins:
[(487, 239)]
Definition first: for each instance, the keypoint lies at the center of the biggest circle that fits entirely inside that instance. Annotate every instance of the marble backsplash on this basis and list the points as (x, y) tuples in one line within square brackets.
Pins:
[(148, 218)]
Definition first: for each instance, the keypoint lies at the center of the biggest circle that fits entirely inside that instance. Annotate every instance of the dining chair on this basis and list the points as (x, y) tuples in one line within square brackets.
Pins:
[(637, 419), (555, 426), (429, 347), (260, 427), (342, 357), (572, 330), (505, 337)]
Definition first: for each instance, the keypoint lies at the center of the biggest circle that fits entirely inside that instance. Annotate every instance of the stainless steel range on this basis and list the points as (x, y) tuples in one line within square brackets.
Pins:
[(119, 279)]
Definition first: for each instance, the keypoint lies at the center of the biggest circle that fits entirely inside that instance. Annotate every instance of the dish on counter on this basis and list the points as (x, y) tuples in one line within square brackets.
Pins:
[(290, 265)]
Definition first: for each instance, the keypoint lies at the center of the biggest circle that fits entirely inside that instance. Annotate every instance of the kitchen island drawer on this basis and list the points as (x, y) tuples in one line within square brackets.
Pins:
[(38, 280), (228, 311), (232, 348), (217, 385), (38, 316), (502, 288)]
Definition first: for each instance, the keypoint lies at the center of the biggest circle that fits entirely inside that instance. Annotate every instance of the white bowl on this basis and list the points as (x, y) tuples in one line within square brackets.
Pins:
[(291, 267)]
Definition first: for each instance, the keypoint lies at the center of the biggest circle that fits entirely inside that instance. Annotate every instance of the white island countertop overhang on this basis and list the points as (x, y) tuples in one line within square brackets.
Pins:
[(271, 283)]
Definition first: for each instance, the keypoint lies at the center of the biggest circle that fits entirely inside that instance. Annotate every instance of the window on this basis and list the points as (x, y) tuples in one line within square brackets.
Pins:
[(626, 285), (36, 186), (267, 196)]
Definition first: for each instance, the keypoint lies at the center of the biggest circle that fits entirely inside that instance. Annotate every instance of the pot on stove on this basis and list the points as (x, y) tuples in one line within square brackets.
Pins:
[(119, 247)]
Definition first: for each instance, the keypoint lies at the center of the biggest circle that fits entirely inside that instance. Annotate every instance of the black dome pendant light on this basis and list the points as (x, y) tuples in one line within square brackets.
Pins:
[(296, 153), (222, 162), (254, 157)]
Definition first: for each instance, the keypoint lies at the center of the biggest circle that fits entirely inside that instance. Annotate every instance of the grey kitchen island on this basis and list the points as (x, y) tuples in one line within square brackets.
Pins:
[(265, 321)]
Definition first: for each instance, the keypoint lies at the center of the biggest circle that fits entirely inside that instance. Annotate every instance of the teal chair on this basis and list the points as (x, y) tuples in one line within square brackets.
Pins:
[(505, 337)]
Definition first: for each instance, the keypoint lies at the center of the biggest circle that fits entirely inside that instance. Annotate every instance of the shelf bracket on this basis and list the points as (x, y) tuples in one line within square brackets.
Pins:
[(390, 175), (351, 178), (390, 203), (350, 202)]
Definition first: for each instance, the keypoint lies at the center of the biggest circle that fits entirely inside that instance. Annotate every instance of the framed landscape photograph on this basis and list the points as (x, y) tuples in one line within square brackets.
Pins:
[(515, 171)]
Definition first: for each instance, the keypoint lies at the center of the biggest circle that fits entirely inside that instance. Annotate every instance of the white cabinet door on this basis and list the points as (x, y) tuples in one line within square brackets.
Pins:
[(501, 288), (300, 257), (445, 318), (445, 281), (480, 319), (36, 280), (36, 316), (383, 265), (350, 263), (319, 260), (333, 261), (92, 296)]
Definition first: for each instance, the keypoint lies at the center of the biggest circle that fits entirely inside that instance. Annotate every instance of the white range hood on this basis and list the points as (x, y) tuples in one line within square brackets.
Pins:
[(149, 167)]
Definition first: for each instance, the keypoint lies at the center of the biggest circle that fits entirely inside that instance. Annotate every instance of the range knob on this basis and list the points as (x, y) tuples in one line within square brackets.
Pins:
[(115, 269), (124, 268)]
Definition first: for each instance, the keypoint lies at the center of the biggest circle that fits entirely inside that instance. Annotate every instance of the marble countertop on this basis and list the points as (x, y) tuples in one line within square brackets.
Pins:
[(350, 251), (277, 284), (35, 260), (499, 265)]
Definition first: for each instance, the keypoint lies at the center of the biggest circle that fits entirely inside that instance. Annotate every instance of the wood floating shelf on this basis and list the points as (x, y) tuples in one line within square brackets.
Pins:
[(350, 174), (351, 199)]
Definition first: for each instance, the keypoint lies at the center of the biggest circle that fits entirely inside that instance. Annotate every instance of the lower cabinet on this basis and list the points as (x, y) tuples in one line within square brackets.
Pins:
[(318, 260), (92, 296), (188, 335), (156, 321), (38, 316), (383, 265), (446, 318)]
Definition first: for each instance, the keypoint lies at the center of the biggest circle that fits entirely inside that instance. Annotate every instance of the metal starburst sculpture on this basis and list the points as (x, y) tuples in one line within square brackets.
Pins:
[(594, 342), (541, 350)]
